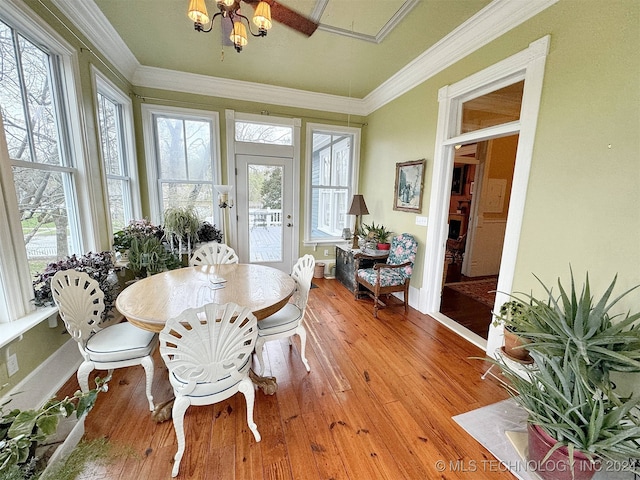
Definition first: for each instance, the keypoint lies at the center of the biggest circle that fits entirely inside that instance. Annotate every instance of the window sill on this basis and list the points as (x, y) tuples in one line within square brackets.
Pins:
[(14, 330), (330, 241)]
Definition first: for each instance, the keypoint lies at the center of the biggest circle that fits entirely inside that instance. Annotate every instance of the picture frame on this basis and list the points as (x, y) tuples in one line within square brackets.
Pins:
[(407, 194)]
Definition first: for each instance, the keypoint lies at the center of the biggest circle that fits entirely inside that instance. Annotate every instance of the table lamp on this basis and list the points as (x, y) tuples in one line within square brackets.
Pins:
[(358, 207)]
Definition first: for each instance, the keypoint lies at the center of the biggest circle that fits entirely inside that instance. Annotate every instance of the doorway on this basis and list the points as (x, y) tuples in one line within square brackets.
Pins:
[(265, 210), (528, 66), (263, 162), (478, 210)]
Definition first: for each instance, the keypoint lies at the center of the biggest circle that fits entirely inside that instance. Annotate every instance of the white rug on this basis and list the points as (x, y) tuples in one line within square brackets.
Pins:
[(489, 426)]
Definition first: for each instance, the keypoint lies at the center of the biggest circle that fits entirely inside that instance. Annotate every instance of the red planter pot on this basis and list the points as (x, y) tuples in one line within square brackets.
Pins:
[(557, 466), (383, 246)]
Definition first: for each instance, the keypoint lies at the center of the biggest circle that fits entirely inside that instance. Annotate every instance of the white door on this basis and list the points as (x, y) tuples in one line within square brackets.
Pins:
[(265, 213)]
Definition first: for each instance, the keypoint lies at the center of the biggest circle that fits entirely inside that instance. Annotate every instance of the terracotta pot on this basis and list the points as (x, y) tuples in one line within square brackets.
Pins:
[(511, 341), (557, 466), (383, 246)]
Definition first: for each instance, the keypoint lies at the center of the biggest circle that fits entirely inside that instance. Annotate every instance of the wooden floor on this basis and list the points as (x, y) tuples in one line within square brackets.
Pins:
[(471, 314), (377, 405)]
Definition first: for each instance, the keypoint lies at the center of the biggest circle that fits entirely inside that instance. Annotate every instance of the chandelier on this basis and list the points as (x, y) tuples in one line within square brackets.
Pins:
[(231, 9)]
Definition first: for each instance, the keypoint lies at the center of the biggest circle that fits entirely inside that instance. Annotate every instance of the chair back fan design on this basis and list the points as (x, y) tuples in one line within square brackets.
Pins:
[(206, 344), (302, 273), (213, 253), (80, 303)]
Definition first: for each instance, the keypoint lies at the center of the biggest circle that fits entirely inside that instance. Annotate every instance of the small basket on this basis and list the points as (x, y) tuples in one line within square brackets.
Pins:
[(318, 271)]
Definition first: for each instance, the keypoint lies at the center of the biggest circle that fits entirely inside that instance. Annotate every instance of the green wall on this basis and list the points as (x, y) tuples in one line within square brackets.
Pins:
[(585, 170)]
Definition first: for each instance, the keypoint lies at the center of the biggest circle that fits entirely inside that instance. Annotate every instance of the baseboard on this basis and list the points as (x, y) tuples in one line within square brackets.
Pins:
[(45, 380)]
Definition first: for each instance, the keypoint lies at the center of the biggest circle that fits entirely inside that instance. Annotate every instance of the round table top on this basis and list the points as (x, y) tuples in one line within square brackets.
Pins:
[(150, 302)]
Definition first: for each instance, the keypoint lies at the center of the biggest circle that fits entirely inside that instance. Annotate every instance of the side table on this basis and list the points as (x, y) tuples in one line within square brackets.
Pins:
[(349, 260)]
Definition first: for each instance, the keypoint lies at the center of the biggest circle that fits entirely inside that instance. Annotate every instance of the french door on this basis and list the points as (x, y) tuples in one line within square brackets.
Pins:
[(265, 213)]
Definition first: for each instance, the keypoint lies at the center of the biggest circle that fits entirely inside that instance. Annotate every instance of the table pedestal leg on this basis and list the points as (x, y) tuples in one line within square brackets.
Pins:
[(268, 385)]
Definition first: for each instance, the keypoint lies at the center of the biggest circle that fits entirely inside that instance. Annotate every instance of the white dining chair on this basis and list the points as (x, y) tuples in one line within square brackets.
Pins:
[(208, 353), (213, 253), (288, 321), (80, 304)]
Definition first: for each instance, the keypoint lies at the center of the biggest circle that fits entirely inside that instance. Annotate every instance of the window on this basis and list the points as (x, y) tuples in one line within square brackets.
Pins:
[(183, 156), (38, 171), (115, 126), (332, 159), (264, 133)]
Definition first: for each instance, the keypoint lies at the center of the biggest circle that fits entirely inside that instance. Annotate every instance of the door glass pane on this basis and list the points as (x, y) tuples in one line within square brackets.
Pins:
[(495, 108), (265, 213)]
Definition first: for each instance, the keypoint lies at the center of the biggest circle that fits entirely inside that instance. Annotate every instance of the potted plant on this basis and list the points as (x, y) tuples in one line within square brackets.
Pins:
[(149, 255), (376, 235), (23, 431), (576, 417), (136, 229), (181, 225), (98, 266), (209, 233), (512, 314)]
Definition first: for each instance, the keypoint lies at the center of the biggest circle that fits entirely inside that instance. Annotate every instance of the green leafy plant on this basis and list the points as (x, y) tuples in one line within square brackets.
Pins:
[(139, 229), (181, 225), (21, 431), (149, 256), (209, 233), (373, 232)]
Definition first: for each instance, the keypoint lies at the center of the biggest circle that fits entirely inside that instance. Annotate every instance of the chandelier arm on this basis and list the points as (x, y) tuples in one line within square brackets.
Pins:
[(261, 32), (199, 27)]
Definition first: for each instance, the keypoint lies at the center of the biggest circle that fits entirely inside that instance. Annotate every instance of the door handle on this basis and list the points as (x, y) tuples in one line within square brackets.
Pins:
[(289, 224)]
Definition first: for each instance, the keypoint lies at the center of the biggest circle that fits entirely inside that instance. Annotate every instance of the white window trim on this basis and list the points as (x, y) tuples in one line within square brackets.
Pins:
[(101, 84), (148, 111), (353, 181), (16, 281)]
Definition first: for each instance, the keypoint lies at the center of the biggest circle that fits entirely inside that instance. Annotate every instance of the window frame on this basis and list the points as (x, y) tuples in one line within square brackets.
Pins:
[(103, 86), (149, 113), (15, 278), (315, 128)]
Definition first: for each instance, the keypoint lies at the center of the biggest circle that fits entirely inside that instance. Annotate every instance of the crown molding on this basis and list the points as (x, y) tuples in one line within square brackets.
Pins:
[(164, 79), (92, 23), (491, 22)]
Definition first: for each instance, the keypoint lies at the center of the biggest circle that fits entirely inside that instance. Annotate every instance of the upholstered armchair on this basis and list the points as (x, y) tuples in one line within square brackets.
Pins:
[(384, 279)]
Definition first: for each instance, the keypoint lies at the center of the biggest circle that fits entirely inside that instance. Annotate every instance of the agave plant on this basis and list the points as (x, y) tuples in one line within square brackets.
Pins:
[(575, 413), (573, 321), (576, 341)]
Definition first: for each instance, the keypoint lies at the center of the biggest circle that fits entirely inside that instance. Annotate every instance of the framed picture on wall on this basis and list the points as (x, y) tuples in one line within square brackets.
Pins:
[(407, 195)]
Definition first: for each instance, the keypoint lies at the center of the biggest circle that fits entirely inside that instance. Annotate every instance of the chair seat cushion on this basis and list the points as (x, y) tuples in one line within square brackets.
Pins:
[(120, 342), (205, 389), (388, 277), (285, 319)]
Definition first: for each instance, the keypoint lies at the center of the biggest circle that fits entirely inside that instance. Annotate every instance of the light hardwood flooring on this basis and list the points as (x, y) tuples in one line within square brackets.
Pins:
[(377, 405)]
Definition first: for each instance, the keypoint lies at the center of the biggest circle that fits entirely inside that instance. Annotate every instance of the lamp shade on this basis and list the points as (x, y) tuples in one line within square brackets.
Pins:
[(198, 12), (238, 34), (262, 17), (358, 206)]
